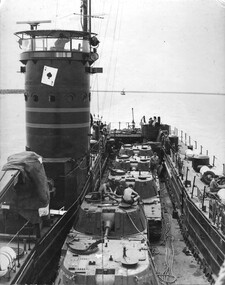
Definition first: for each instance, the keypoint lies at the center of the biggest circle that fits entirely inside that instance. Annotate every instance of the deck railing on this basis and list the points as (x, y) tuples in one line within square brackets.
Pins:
[(198, 148)]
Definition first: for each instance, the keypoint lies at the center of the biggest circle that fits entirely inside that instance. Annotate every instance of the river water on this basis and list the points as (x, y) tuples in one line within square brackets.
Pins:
[(202, 117)]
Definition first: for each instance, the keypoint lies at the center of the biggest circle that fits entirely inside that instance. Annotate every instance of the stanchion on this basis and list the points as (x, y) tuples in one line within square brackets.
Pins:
[(203, 199), (193, 186), (18, 250)]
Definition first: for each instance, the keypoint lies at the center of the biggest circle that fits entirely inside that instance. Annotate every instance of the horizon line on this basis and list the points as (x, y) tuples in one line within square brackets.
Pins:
[(123, 92)]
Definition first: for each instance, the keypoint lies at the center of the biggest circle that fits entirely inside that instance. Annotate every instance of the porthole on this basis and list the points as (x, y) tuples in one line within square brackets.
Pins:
[(35, 98), (85, 96), (69, 98), (51, 98)]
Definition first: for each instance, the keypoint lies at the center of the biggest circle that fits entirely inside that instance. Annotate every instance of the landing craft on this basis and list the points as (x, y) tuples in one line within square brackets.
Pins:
[(107, 245)]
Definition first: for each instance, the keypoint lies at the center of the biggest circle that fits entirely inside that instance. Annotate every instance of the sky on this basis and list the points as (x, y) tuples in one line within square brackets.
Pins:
[(145, 45), (159, 45)]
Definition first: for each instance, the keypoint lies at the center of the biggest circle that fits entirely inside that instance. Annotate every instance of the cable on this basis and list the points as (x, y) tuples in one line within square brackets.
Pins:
[(222, 3), (56, 11), (161, 92), (119, 16), (17, 233)]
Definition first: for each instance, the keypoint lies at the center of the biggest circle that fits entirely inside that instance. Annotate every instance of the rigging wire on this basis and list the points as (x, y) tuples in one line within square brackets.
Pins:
[(16, 234), (110, 65), (222, 3), (98, 31), (161, 92), (111, 56), (65, 16), (116, 56), (56, 12)]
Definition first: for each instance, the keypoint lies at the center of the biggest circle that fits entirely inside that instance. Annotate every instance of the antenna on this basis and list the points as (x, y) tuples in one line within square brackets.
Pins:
[(92, 16), (133, 123), (33, 24)]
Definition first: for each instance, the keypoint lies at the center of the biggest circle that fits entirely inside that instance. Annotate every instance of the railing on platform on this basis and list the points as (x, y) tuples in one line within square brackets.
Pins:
[(123, 125), (197, 148)]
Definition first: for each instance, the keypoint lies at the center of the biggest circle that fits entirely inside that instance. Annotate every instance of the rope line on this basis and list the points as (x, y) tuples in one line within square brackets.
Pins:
[(161, 92)]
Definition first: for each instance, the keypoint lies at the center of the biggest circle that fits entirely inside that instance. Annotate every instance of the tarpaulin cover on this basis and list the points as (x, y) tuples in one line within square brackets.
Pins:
[(31, 190)]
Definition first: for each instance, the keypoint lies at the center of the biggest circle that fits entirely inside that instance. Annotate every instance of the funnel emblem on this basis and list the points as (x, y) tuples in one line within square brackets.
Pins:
[(49, 75)]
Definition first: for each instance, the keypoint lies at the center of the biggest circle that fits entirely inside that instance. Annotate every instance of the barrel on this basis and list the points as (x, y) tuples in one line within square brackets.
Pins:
[(198, 161), (203, 169)]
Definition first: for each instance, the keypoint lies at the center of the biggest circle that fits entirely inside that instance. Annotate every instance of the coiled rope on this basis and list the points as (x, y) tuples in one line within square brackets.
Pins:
[(168, 277)]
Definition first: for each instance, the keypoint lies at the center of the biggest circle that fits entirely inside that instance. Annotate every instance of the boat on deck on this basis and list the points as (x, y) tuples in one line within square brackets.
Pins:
[(187, 174), (132, 168), (107, 245)]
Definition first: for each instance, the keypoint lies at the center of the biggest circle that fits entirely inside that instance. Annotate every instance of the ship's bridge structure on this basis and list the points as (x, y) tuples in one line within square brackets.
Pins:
[(57, 65)]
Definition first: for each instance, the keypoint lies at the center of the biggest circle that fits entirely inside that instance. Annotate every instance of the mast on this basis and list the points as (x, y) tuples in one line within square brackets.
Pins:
[(90, 17), (87, 16), (84, 6), (133, 123)]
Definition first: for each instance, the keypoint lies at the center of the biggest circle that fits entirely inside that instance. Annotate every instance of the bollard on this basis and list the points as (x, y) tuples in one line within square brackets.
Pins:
[(187, 182)]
